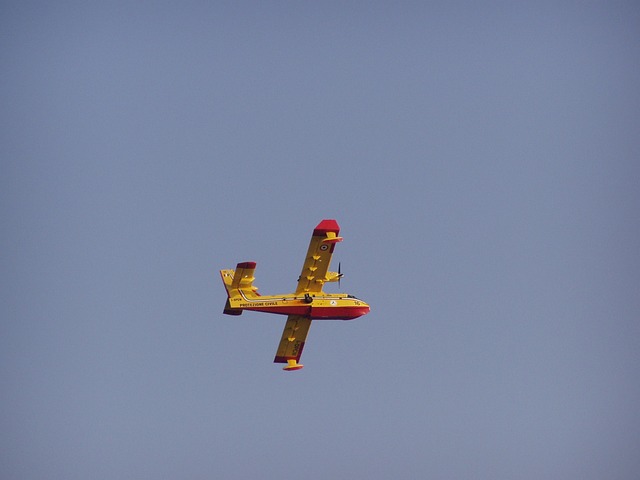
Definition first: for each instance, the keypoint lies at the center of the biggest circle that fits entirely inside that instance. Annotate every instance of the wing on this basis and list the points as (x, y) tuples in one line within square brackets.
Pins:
[(316, 264), (293, 337)]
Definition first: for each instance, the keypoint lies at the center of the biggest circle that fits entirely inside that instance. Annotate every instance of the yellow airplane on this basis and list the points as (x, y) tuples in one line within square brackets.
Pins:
[(308, 302)]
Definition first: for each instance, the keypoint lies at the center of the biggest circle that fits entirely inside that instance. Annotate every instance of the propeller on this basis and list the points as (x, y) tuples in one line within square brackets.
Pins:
[(339, 274)]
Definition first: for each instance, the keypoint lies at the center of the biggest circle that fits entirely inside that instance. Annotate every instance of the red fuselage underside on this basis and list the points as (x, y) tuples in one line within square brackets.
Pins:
[(315, 313)]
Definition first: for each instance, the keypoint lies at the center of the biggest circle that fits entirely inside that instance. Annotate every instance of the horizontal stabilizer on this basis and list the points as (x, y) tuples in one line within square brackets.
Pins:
[(239, 284)]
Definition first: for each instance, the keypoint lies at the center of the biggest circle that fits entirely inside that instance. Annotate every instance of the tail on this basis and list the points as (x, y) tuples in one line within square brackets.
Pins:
[(239, 284)]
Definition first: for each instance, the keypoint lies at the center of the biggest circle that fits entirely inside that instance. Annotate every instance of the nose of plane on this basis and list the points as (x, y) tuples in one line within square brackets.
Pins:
[(363, 309)]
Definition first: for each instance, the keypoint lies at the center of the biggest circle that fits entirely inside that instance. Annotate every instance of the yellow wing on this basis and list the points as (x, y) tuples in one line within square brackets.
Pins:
[(316, 264), (292, 341)]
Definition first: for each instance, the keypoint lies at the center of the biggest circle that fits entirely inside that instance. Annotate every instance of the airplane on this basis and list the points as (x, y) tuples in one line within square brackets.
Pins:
[(308, 302)]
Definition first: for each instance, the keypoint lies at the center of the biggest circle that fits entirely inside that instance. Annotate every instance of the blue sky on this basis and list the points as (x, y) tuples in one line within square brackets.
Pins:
[(482, 161)]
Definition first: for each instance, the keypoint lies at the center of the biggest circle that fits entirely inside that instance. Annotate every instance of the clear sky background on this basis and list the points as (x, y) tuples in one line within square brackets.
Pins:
[(482, 159)]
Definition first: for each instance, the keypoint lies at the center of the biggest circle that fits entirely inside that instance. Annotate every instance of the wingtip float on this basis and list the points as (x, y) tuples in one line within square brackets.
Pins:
[(292, 365), (308, 302)]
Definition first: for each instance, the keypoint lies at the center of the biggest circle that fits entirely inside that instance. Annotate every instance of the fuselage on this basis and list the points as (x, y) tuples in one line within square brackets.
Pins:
[(317, 306)]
